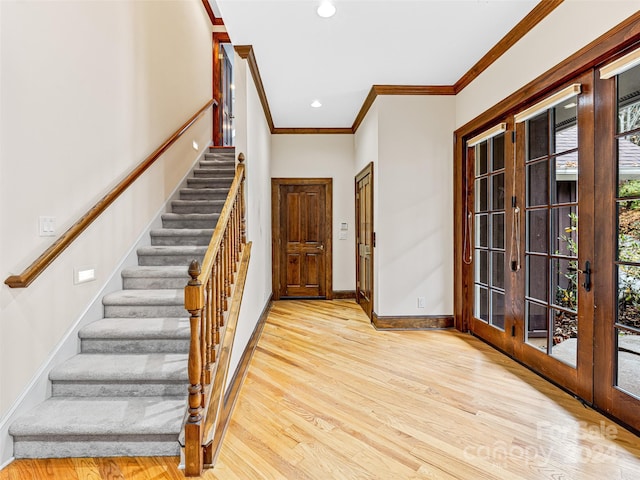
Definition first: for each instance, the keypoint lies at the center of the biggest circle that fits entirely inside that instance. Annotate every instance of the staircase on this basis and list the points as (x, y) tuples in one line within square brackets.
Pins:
[(124, 394)]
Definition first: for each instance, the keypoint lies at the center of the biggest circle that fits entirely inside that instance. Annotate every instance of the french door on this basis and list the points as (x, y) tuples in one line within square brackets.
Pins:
[(617, 318), (552, 241), (533, 246)]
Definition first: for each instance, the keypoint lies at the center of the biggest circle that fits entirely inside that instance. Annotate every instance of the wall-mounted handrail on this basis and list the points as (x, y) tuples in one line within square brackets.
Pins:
[(212, 298), (51, 253)]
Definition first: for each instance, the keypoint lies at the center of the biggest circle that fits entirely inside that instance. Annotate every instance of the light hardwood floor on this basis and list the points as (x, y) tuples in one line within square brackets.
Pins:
[(328, 397)]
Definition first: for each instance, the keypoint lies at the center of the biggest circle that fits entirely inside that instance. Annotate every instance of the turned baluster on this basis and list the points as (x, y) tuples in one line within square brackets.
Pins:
[(229, 268), (243, 223), (214, 310), (220, 284), (194, 304), (236, 234), (209, 335)]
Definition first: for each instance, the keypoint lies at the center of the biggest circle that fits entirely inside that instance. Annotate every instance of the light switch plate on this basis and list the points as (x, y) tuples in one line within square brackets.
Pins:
[(47, 226)]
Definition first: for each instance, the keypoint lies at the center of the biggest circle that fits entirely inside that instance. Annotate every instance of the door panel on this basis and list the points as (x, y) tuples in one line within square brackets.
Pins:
[(530, 200), (364, 239), (302, 238), (556, 157), (617, 267)]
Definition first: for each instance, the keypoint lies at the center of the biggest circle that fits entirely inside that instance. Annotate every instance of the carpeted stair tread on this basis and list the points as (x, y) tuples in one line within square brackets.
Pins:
[(170, 255), (173, 250), (156, 277), (214, 172), (213, 182), (190, 220), (204, 193), (171, 271), (181, 236), (102, 416), (191, 216), (197, 206), (137, 328), (149, 367), (229, 167), (182, 232), (168, 297)]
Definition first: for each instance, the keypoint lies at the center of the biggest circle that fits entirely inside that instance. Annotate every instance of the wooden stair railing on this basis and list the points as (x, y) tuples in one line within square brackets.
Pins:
[(50, 254), (212, 297)]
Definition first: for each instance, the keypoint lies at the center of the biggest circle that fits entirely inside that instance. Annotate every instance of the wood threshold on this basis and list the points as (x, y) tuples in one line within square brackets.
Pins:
[(412, 322), (67, 238)]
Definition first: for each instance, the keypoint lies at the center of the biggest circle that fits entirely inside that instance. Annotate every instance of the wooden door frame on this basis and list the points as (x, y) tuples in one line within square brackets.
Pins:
[(217, 39), (368, 170), (276, 243)]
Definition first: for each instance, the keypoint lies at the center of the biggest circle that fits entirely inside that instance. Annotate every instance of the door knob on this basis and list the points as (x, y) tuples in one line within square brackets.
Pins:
[(321, 247)]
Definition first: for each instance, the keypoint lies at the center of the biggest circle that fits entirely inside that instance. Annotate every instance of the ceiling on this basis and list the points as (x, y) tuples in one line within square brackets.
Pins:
[(303, 57)]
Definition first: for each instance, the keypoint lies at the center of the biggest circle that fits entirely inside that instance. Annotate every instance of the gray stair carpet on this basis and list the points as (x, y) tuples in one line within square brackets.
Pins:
[(124, 393)]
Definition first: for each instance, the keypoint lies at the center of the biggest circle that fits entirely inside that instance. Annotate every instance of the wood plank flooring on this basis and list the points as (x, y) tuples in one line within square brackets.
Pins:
[(328, 397)]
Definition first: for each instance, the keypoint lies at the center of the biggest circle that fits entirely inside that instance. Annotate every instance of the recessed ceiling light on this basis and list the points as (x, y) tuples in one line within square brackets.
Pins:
[(316, 104), (326, 9)]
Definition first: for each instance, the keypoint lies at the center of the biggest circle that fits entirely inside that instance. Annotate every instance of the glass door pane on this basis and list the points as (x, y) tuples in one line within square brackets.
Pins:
[(489, 238), (551, 238), (627, 325)]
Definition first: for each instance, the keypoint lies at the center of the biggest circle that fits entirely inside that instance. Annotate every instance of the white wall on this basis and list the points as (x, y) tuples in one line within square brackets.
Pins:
[(571, 26), (414, 222), (326, 156), (253, 138), (88, 90), (409, 139)]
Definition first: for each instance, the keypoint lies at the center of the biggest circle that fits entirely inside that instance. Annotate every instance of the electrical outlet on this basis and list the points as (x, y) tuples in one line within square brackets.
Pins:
[(421, 302)]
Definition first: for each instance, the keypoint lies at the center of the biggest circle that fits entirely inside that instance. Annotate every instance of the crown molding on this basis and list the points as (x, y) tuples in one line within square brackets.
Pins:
[(246, 53), (535, 16), (398, 90), (312, 130)]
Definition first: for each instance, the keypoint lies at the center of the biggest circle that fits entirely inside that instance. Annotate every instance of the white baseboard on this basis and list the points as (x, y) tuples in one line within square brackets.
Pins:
[(39, 388)]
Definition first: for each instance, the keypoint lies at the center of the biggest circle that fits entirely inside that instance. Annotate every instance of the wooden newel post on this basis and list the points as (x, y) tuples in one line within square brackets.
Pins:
[(194, 303)]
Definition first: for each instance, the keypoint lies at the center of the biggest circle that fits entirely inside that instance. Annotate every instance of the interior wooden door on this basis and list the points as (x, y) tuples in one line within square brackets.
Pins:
[(302, 238), (364, 239), (617, 265)]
